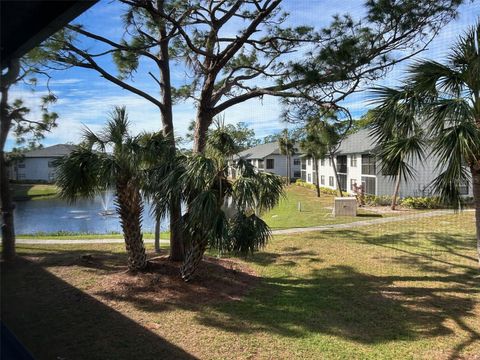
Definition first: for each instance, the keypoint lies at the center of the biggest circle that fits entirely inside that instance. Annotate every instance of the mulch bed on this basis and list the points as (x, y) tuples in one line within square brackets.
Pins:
[(161, 286)]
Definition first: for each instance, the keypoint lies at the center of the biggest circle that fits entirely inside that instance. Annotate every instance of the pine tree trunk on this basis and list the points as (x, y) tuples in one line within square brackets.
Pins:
[(395, 191), (176, 231), (130, 208), (6, 203), (476, 198), (315, 165), (339, 188), (7, 207), (157, 234)]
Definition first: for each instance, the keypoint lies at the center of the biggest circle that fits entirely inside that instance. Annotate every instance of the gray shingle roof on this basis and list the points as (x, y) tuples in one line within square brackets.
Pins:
[(51, 151), (359, 142), (263, 150)]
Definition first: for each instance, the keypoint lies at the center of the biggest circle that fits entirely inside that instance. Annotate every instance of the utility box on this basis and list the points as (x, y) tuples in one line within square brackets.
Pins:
[(345, 206)]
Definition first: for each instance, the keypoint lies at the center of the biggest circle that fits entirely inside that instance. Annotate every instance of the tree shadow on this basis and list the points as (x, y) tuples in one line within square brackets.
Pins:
[(341, 301), (55, 320)]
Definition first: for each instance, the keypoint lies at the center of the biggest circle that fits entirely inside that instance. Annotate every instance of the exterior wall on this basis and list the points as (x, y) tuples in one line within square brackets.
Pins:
[(33, 169), (279, 165), (384, 185)]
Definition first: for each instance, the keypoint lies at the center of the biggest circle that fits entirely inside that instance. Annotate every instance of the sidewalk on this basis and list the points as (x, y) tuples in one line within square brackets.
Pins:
[(274, 232)]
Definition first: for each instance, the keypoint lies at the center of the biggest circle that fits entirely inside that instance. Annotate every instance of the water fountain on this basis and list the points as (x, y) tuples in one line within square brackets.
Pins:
[(106, 199)]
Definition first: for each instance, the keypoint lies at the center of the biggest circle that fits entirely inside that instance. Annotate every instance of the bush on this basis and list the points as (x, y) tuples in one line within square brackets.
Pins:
[(323, 190), (422, 203), (382, 200)]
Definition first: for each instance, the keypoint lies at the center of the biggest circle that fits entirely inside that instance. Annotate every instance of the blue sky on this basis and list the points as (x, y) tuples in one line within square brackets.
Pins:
[(85, 98)]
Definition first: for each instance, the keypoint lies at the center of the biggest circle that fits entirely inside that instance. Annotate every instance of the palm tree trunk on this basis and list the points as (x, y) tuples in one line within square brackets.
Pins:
[(339, 188), (476, 198), (177, 246), (193, 258), (395, 191), (315, 166), (130, 208), (157, 234)]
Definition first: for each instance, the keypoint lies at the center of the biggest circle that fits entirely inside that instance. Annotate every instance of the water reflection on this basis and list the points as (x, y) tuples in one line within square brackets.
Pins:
[(54, 215)]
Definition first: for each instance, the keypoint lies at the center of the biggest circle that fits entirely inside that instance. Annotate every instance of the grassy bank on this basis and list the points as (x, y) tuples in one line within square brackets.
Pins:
[(406, 290), (33, 191)]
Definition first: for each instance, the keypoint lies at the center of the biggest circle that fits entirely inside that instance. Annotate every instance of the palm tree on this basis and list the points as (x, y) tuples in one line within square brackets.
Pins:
[(314, 147), (287, 147), (221, 213), (447, 96), (90, 169), (399, 137)]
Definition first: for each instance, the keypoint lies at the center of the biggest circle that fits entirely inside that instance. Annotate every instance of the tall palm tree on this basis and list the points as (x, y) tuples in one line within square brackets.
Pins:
[(221, 213), (287, 147), (314, 147), (90, 169), (399, 137), (447, 96)]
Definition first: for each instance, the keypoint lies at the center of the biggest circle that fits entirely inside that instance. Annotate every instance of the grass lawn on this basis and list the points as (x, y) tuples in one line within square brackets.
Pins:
[(33, 191), (406, 290), (315, 211)]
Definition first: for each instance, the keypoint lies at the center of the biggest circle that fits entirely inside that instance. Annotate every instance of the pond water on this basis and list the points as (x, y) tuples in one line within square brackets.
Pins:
[(84, 216)]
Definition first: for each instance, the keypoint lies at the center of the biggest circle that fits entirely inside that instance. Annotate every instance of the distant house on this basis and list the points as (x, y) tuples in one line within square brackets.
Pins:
[(356, 163), (267, 157), (38, 165)]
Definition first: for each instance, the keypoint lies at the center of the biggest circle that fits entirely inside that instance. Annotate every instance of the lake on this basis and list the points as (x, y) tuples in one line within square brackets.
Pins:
[(54, 215)]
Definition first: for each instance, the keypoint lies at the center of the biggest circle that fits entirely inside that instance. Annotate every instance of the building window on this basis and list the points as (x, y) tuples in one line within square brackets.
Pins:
[(342, 164), (368, 165), (322, 179), (322, 162), (260, 164), (352, 181), (304, 164), (342, 179), (51, 163), (297, 174), (368, 184), (353, 160), (331, 181), (270, 164), (309, 178), (296, 162)]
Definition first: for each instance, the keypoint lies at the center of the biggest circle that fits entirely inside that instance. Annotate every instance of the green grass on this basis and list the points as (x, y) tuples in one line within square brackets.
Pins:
[(314, 211), (407, 290), (33, 191)]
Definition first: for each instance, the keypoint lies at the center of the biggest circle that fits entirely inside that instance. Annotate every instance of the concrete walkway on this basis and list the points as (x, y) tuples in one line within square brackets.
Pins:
[(275, 232)]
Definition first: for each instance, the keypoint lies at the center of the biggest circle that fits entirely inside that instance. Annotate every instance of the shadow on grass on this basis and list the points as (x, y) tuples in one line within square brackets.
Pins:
[(55, 320), (341, 301)]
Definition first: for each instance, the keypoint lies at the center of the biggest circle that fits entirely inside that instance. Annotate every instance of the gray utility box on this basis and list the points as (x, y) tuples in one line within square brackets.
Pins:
[(345, 206)]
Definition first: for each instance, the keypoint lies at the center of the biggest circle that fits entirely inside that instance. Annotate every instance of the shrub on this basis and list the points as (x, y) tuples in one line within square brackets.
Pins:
[(422, 202), (323, 190), (373, 200)]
